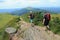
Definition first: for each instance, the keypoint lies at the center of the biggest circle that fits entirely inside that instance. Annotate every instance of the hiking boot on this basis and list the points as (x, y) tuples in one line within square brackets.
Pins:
[(32, 25)]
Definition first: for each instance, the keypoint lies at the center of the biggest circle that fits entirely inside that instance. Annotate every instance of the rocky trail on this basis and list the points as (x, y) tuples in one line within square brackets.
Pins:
[(27, 32)]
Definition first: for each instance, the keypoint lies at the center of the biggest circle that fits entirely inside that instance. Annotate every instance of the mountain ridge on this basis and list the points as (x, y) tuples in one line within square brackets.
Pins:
[(20, 11)]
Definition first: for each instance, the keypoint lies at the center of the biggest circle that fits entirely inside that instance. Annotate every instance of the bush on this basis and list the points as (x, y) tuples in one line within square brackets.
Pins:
[(38, 18), (55, 25)]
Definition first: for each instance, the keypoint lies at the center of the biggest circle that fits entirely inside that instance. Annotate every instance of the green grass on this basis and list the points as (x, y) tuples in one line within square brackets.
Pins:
[(5, 19), (25, 17), (55, 15)]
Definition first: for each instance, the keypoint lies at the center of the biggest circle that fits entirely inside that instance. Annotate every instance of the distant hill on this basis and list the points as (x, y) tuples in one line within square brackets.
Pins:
[(21, 11), (8, 10), (26, 10), (51, 9)]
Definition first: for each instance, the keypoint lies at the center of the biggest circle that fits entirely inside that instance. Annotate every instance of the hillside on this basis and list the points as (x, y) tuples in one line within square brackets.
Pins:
[(5, 21)]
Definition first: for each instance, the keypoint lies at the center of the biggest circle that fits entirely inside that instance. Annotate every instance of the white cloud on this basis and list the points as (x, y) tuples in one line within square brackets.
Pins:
[(53, 1), (18, 3), (26, 3)]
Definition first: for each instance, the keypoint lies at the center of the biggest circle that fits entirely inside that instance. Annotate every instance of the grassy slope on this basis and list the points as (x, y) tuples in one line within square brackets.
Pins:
[(55, 28), (4, 19), (55, 15)]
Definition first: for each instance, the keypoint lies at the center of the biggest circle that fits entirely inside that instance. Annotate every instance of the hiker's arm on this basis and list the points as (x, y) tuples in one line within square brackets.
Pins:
[(29, 16), (43, 21)]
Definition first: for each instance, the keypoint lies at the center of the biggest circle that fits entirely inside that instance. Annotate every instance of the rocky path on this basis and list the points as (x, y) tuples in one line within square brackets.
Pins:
[(27, 32)]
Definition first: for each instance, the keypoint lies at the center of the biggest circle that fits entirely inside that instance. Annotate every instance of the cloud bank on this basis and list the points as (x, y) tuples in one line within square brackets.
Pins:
[(9, 4)]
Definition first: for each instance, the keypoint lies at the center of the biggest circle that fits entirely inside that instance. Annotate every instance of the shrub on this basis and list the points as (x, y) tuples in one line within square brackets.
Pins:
[(55, 25), (38, 18)]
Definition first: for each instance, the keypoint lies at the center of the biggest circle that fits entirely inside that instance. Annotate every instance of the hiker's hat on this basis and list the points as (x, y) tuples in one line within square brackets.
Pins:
[(30, 11)]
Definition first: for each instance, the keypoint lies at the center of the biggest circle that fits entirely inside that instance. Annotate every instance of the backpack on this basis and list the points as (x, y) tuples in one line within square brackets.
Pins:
[(48, 17), (31, 16)]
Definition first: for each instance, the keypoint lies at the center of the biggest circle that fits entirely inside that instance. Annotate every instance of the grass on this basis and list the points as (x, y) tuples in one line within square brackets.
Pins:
[(4, 20), (25, 17), (55, 15)]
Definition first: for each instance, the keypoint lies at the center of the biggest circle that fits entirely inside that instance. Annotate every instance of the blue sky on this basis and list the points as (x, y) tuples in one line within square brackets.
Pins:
[(12, 4)]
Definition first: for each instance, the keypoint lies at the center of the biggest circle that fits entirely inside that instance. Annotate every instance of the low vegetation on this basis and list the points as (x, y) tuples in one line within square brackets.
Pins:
[(55, 25), (38, 18), (7, 20)]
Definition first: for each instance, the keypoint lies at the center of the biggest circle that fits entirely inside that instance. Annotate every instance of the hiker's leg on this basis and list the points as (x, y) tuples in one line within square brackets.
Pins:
[(48, 26), (32, 23), (48, 29), (45, 25), (30, 20)]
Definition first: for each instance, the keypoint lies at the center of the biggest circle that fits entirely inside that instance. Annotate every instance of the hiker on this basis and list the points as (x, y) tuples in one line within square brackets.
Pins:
[(47, 18), (31, 17)]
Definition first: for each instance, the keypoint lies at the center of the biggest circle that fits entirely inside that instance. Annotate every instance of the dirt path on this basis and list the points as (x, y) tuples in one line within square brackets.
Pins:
[(26, 32)]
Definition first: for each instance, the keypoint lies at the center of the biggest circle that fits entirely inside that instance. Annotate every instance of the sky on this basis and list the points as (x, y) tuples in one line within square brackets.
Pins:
[(12, 4)]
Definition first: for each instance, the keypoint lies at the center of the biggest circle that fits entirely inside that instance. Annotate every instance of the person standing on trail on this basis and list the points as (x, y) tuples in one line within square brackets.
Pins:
[(31, 17), (47, 18)]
